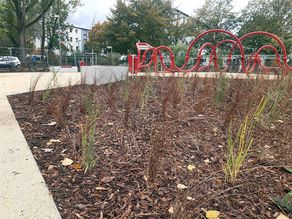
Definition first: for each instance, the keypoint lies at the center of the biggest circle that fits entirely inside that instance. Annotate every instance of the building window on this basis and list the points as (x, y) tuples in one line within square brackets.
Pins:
[(77, 47), (77, 40), (71, 39), (76, 31), (71, 29)]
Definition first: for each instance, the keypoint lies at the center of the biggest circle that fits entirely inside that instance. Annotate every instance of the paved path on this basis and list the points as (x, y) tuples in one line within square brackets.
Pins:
[(23, 192)]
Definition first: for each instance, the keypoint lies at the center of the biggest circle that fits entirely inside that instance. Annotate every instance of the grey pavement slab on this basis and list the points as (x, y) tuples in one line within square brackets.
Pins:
[(23, 192)]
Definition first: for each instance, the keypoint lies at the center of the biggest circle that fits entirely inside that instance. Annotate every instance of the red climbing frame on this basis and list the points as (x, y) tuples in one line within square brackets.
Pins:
[(148, 56)]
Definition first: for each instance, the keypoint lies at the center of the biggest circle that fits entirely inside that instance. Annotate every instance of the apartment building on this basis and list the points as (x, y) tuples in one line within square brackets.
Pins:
[(74, 38)]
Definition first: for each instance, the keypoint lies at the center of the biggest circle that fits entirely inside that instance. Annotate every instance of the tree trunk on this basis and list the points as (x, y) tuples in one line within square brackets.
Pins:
[(43, 36), (21, 35)]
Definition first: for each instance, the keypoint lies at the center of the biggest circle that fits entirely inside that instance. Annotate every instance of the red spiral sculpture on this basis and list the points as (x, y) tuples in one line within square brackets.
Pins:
[(150, 55)]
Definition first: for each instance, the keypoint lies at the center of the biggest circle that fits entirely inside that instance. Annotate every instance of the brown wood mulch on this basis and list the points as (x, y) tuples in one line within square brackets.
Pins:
[(154, 129)]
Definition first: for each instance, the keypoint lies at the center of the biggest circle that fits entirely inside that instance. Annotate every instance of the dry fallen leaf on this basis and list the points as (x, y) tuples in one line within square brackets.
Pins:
[(171, 210), (77, 166), (79, 216), (67, 162), (282, 216), (212, 214), (99, 188), (47, 150), (51, 167), (107, 179), (181, 186), (52, 123), (191, 167), (207, 161), (190, 198), (52, 141)]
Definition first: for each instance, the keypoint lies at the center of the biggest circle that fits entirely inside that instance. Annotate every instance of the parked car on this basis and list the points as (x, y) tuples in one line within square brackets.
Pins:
[(9, 62)]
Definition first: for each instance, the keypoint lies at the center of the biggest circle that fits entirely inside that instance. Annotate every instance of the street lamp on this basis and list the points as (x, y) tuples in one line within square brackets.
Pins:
[(59, 35)]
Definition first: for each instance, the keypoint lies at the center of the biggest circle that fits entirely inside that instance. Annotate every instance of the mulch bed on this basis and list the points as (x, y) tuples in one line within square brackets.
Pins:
[(147, 126)]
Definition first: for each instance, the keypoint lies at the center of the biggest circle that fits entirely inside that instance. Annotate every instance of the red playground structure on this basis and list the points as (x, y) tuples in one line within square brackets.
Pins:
[(162, 58)]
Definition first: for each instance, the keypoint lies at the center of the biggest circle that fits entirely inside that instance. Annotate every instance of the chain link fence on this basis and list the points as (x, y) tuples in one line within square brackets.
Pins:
[(41, 60)]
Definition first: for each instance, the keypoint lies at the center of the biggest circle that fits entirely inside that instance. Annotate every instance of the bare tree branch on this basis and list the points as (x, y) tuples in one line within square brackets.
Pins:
[(40, 16), (12, 5)]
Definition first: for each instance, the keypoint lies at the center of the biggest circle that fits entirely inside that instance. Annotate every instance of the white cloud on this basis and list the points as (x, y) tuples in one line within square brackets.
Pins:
[(91, 11), (94, 11)]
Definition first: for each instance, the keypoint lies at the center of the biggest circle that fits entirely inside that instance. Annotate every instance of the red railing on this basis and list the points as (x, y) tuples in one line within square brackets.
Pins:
[(149, 56)]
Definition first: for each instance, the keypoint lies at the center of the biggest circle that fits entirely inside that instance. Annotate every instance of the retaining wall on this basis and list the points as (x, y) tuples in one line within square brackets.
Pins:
[(102, 74)]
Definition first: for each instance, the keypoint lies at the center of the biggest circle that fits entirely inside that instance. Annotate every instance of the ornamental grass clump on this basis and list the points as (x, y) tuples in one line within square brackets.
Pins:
[(87, 142), (32, 87), (53, 82), (275, 99), (146, 92), (91, 110), (238, 147), (221, 87)]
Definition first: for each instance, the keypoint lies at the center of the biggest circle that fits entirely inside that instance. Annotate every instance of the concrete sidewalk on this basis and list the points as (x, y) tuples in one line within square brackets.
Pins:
[(23, 192)]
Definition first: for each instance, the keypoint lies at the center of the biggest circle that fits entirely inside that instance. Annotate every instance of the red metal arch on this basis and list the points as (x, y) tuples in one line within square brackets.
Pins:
[(136, 64)]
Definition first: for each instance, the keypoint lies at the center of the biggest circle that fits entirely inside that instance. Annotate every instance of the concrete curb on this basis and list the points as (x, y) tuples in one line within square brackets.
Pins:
[(23, 192)]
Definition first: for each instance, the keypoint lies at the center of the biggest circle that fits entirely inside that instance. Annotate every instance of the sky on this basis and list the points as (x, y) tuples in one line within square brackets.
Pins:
[(93, 11)]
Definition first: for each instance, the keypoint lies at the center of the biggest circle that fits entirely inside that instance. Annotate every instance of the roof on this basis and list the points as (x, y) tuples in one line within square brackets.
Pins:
[(82, 28), (180, 12)]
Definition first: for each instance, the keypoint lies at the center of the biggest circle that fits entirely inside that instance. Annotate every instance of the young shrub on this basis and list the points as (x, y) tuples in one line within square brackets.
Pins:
[(238, 148)]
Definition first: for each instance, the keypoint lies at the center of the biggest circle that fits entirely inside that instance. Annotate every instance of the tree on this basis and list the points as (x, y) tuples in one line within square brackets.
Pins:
[(139, 20), (97, 40), (274, 16), (55, 16), (214, 14), (20, 15)]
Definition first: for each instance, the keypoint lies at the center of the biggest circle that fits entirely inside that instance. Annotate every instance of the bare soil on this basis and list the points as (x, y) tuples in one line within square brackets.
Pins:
[(151, 129)]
